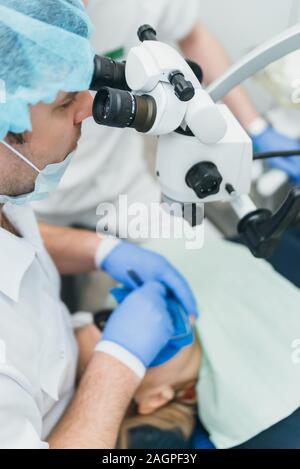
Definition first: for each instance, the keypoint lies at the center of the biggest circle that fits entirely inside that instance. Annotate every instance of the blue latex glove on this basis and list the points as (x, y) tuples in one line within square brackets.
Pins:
[(182, 334), (141, 324), (271, 140), (148, 266)]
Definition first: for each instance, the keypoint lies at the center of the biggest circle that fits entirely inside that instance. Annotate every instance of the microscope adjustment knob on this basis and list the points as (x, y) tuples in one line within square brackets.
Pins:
[(146, 33), (184, 89), (204, 178)]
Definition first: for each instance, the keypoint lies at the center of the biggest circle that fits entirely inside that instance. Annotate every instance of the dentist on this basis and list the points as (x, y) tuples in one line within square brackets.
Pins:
[(46, 401)]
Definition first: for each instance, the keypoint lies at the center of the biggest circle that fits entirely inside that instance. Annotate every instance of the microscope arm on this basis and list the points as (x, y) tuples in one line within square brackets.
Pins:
[(260, 229), (256, 60)]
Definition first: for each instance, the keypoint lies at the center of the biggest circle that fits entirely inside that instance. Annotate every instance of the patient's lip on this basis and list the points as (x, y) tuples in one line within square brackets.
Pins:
[(188, 393)]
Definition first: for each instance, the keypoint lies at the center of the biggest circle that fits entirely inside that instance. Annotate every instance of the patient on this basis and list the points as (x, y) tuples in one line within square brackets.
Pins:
[(165, 412), (243, 358), (243, 367)]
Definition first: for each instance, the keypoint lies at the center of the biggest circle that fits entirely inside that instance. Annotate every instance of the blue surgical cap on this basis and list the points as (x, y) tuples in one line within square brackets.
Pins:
[(44, 49)]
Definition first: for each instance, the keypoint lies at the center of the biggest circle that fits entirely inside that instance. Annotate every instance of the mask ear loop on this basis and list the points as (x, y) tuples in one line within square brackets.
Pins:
[(20, 156)]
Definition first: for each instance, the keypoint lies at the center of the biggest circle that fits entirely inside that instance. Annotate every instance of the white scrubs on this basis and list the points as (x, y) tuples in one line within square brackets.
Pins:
[(38, 351), (110, 161)]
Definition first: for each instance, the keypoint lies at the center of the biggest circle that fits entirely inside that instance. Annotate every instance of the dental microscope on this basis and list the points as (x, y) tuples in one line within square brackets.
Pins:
[(204, 155)]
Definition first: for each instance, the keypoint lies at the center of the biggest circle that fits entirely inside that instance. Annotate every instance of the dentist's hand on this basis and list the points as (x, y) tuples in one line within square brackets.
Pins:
[(271, 140), (139, 328), (182, 327), (149, 266)]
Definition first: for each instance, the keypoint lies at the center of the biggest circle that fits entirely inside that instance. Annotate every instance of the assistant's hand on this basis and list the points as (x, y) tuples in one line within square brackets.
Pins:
[(139, 328), (149, 266), (271, 140)]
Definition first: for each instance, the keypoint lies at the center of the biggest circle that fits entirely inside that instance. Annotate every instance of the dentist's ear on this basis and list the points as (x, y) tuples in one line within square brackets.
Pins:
[(84, 107), (154, 399)]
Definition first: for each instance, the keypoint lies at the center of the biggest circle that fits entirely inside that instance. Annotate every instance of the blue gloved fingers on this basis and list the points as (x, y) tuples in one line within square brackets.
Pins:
[(171, 349), (158, 290), (181, 321), (279, 163), (290, 165), (126, 257), (294, 170), (271, 140), (148, 266), (168, 318), (183, 334), (180, 288), (141, 324), (120, 293)]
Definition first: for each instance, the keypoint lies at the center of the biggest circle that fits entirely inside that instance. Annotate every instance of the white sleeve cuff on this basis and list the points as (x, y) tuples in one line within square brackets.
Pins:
[(81, 319), (121, 354), (105, 247), (257, 126)]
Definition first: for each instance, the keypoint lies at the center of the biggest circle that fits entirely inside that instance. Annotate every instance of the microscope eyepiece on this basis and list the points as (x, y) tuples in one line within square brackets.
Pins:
[(108, 72), (121, 109)]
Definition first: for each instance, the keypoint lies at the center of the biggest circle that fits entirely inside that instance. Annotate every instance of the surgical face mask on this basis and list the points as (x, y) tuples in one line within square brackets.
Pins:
[(46, 181)]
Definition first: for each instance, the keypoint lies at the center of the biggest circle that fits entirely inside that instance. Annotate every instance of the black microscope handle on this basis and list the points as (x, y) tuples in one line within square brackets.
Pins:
[(146, 33), (261, 230)]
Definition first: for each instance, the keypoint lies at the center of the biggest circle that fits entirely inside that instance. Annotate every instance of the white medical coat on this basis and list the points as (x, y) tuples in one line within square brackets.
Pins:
[(38, 351)]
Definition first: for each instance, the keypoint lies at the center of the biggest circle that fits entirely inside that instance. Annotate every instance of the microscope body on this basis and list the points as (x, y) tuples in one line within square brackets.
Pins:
[(212, 160), (204, 154), (231, 156)]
